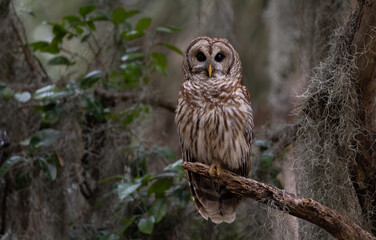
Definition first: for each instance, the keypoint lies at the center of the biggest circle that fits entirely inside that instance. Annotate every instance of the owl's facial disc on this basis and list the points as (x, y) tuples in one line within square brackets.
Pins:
[(211, 60)]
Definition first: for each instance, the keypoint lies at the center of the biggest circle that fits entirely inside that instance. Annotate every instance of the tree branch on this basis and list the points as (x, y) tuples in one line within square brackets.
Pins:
[(304, 208), (125, 96)]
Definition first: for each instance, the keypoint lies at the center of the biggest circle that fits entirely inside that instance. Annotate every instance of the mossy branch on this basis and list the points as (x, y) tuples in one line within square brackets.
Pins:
[(304, 208)]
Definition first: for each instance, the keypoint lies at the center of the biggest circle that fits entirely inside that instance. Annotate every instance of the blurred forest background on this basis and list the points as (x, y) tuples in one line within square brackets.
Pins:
[(88, 89)]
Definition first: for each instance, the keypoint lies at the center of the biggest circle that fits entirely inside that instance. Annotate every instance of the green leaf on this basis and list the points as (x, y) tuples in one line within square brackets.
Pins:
[(119, 15), (60, 60), (165, 152), (79, 31), (49, 169), (53, 47), (89, 79), (91, 25), (131, 13), (86, 10), (22, 97), (176, 167), (100, 18), (45, 92), (267, 159), (168, 29), (132, 73), (171, 47), (51, 116), (73, 21), (39, 45), (127, 36), (50, 113), (7, 93), (44, 46), (96, 109), (50, 93), (104, 180), (4, 168), (160, 186), (125, 189), (158, 209), (133, 114), (145, 179), (159, 62), (143, 24), (131, 56), (146, 225), (59, 31), (44, 138)]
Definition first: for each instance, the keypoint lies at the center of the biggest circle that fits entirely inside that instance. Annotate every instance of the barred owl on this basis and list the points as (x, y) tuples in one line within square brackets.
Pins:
[(214, 120)]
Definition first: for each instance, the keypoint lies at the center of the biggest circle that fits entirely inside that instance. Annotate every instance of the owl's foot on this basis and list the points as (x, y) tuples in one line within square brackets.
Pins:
[(215, 166)]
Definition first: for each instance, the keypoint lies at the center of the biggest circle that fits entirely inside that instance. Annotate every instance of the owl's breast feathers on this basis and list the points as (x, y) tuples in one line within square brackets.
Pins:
[(215, 122)]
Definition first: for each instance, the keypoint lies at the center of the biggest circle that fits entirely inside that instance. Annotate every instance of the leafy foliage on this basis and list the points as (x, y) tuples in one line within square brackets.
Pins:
[(155, 193), (8, 164), (77, 98), (269, 169)]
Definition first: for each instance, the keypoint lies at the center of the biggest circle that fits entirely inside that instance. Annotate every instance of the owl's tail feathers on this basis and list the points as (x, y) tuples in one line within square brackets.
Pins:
[(213, 201)]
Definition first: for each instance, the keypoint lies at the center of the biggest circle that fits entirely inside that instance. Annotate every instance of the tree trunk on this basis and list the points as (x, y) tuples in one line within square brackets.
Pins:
[(364, 51)]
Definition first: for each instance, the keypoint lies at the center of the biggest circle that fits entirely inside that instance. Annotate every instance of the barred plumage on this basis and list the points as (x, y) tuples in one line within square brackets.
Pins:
[(215, 121)]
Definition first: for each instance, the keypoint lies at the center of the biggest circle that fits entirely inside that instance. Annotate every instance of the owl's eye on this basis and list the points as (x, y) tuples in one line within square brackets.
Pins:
[(200, 57), (219, 57)]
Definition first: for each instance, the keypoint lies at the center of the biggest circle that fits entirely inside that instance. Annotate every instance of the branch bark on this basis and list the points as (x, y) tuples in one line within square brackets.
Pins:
[(304, 208)]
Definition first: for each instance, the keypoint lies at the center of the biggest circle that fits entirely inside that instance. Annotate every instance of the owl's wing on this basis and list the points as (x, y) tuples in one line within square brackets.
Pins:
[(245, 168), (195, 183), (248, 134), (244, 90)]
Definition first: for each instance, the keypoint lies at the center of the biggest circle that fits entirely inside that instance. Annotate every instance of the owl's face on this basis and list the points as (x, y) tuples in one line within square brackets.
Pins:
[(208, 57)]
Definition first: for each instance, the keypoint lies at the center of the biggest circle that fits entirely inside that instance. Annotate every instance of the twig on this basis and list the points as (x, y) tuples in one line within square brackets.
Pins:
[(304, 208), (29, 56), (25, 50)]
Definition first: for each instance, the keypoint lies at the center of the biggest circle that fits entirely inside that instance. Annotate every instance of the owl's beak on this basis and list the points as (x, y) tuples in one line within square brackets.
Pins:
[(210, 69)]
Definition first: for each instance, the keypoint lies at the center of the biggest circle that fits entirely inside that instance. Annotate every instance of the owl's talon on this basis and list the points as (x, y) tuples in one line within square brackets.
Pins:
[(217, 168), (211, 170)]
